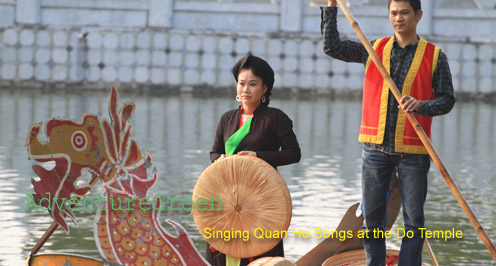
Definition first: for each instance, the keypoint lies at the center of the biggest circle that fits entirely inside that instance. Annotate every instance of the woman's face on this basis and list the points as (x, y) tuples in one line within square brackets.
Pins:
[(250, 88)]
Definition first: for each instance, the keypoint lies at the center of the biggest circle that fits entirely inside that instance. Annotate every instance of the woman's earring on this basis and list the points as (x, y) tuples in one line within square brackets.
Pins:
[(263, 99), (237, 98)]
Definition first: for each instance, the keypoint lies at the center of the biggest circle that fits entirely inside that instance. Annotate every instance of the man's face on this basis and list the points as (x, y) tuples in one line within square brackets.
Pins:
[(402, 17)]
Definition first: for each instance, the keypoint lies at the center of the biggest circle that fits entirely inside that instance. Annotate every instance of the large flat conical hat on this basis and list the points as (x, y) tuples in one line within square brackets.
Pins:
[(357, 258), (255, 204)]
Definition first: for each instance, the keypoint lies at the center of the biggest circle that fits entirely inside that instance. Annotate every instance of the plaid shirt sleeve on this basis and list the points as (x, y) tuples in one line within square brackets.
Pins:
[(344, 50), (443, 89)]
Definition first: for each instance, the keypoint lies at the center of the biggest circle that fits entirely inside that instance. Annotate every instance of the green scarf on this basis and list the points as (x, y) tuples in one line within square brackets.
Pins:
[(230, 261), (233, 141), (230, 146)]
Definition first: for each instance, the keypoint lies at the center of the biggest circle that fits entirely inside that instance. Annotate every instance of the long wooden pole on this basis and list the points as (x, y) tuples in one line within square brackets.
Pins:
[(420, 132), (431, 253), (48, 233)]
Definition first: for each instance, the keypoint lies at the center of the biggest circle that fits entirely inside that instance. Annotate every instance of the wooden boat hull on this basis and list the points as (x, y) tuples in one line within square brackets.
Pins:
[(63, 259)]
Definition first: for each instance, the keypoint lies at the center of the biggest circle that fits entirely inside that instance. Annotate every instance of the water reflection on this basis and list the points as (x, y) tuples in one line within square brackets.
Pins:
[(178, 131)]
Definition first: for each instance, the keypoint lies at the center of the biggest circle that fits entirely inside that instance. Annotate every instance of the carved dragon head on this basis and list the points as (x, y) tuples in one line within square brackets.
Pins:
[(103, 148)]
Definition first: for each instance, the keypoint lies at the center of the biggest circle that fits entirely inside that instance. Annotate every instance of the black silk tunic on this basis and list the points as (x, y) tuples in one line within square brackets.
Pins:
[(271, 136)]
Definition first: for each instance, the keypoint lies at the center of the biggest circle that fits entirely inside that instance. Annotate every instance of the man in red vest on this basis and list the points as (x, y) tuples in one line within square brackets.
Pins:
[(421, 72)]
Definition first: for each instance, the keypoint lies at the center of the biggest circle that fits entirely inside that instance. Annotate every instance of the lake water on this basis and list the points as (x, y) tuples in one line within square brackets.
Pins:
[(178, 132)]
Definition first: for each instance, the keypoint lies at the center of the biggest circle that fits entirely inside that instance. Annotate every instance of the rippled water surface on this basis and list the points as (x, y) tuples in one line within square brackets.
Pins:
[(178, 131)]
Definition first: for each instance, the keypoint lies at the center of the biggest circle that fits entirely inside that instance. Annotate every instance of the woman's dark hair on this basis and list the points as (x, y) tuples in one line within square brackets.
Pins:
[(414, 3), (260, 68)]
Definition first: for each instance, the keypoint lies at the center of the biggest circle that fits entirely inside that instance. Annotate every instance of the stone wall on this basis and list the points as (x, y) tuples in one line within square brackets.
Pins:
[(163, 48)]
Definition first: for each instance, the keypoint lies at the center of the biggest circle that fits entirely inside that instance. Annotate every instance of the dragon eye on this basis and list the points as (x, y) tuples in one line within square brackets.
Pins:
[(79, 141)]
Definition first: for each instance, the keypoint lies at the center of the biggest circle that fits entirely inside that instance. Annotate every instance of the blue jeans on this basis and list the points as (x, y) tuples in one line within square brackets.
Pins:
[(377, 170)]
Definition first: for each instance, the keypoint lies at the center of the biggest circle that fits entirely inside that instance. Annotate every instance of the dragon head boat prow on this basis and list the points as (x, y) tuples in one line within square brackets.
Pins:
[(103, 148), (106, 150)]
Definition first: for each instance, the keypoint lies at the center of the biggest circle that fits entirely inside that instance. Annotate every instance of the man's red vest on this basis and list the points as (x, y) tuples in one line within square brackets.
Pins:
[(418, 84)]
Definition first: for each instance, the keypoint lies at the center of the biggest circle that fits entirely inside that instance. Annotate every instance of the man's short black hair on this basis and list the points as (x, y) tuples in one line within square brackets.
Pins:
[(414, 3)]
